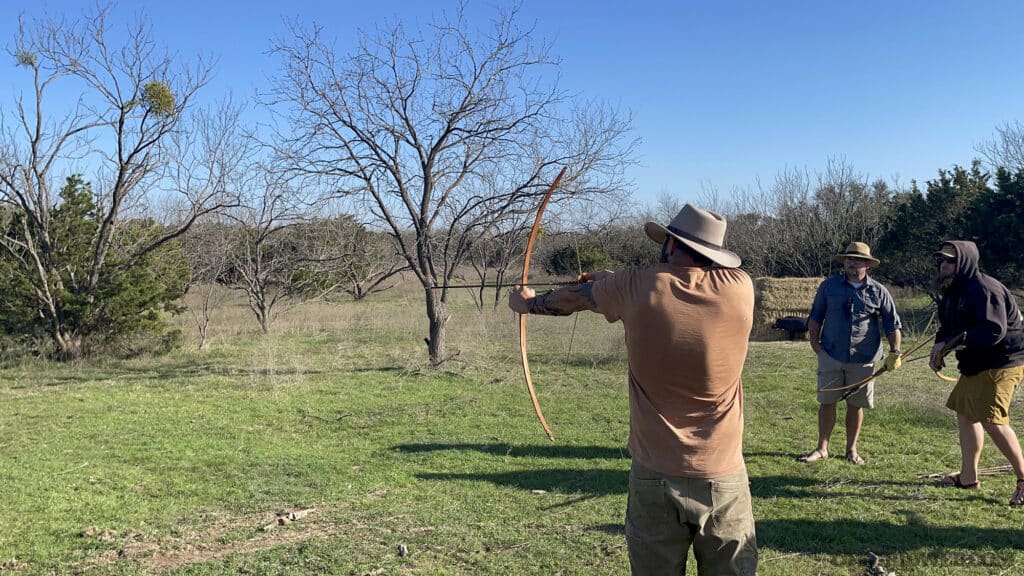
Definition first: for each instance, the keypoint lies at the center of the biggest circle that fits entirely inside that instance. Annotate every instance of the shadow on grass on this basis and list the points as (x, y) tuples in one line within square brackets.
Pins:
[(614, 529), (561, 480), (530, 451), (801, 487), (379, 369), (808, 536), (788, 486), (858, 537), (160, 373), (840, 536), (593, 361)]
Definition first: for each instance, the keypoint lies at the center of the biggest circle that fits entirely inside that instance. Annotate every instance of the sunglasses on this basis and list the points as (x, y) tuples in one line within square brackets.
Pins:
[(940, 260)]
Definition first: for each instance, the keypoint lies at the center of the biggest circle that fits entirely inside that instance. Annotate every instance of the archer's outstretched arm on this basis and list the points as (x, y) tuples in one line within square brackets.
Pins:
[(561, 302)]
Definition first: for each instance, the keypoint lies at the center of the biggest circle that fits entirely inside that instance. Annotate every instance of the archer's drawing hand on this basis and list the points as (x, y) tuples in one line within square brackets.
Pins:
[(935, 360), (594, 276), (520, 298)]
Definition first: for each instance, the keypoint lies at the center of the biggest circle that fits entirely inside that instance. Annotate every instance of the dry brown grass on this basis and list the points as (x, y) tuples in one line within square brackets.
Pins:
[(347, 328)]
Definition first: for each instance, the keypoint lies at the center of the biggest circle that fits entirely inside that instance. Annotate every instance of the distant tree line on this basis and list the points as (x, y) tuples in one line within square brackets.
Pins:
[(796, 226)]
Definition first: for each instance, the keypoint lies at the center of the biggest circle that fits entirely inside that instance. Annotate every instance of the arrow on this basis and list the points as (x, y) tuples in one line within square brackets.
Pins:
[(564, 283)]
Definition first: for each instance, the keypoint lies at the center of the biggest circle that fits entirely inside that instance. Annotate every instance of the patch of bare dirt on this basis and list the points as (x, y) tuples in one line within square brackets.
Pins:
[(192, 546)]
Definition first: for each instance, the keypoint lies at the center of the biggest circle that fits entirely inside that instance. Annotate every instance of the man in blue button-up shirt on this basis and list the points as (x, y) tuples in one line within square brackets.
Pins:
[(846, 324)]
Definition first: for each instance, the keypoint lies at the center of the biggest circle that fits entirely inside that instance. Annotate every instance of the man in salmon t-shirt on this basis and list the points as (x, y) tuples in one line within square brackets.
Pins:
[(687, 321)]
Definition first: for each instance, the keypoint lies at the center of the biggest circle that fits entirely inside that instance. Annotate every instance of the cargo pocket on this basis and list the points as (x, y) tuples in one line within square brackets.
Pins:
[(647, 508), (731, 509), (732, 529)]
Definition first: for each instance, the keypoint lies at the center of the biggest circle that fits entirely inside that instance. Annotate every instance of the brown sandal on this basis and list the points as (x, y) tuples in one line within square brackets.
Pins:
[(814, 456), (954, 481), (1018, 494)]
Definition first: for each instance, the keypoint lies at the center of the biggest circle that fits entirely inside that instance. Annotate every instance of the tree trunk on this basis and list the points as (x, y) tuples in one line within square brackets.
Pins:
[(69, 345), (437, 314), (499, 281), (264, 319), (262, 312), (203, 316)]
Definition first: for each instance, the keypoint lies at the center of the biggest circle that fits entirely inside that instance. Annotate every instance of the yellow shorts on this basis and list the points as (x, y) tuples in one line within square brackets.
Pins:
[(986, 396)]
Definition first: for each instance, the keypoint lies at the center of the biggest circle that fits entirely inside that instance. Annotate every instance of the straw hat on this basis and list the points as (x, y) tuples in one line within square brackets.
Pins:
[(857, 250), (701, 230)]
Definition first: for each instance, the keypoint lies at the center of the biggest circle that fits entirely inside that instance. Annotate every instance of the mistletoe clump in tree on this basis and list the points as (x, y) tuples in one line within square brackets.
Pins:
[(82, 266)]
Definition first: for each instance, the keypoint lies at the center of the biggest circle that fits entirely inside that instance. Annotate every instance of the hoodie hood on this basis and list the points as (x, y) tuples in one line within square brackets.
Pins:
[(966, 259), (983, 310)]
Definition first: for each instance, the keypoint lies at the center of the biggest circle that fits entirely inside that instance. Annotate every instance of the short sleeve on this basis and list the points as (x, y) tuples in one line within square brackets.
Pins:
[(818, 307), (611, 294)]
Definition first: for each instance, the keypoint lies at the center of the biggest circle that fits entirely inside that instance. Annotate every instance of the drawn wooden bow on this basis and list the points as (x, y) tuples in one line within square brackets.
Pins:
[(522, 317)]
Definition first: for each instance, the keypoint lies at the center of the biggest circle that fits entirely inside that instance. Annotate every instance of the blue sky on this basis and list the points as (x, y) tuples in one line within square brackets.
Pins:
[(723, 93)]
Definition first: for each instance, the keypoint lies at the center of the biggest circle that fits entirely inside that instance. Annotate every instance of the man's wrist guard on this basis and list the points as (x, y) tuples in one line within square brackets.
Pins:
[(540, 306)]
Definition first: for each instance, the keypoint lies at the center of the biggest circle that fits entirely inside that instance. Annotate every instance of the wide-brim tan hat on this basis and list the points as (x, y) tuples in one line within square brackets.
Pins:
[(701, 230), (858, 250)]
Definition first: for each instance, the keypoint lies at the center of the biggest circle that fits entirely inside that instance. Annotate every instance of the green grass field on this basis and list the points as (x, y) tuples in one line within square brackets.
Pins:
[(182, 464)]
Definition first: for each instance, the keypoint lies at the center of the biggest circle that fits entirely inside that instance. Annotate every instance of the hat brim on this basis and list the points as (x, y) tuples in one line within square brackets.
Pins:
[(657, 233), (872, 262)]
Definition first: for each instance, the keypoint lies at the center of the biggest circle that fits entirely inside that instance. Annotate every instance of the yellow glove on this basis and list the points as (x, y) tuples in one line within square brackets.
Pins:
[(893, 361)]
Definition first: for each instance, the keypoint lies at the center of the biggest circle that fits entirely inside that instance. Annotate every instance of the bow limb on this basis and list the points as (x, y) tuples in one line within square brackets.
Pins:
[(522, 317), (949, 347), (852, 388), (529, 380), (921, 342)]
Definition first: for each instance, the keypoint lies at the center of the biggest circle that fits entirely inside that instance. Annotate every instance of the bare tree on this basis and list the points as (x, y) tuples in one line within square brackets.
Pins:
[(343, 255), (497, 252), (264, 255), (207, 249), (213, 151), (374, 268), (753, 226), (132, 98), (1006, 148), (796, 225), (443, 135), (774, 228), (849, 207)]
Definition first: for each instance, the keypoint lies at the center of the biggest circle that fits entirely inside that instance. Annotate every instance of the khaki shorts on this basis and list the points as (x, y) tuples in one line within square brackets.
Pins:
[(986, 396), (835, 374), (666, 514)]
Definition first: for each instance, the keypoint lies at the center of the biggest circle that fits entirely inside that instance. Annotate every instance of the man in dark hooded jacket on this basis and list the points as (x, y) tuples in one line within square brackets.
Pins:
[(980, 319)]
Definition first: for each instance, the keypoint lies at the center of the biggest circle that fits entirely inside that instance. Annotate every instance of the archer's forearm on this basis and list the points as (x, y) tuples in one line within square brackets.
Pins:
[(564, 301)]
